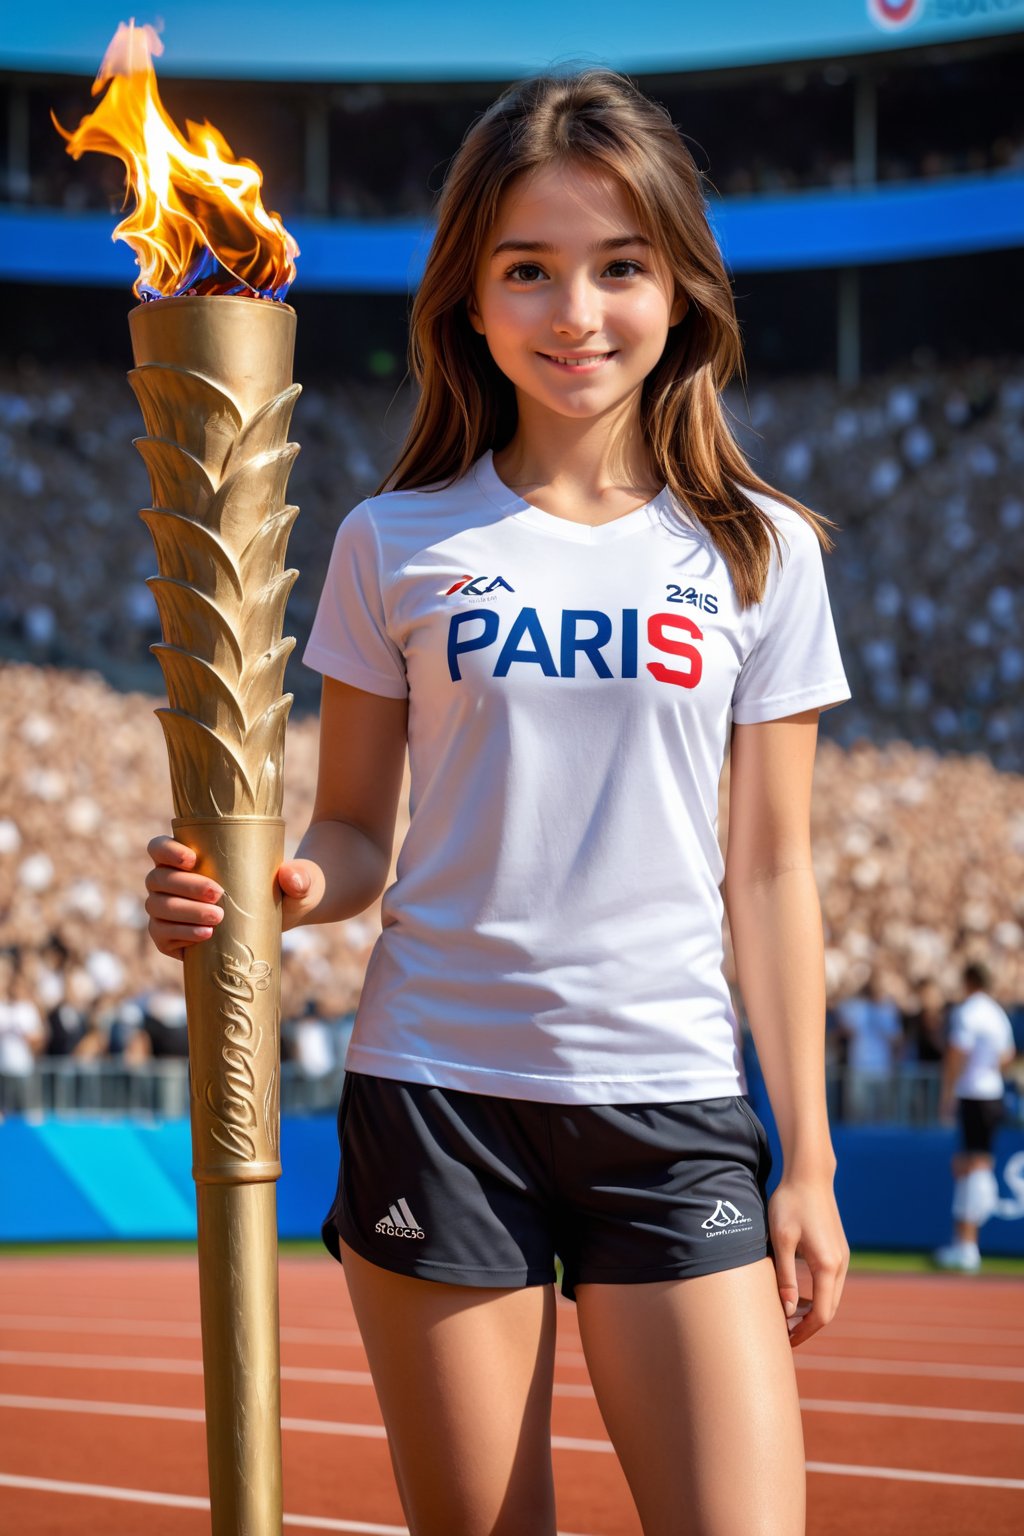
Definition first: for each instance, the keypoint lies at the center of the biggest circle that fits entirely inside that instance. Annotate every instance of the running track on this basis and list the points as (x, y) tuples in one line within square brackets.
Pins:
[(913, 1406)]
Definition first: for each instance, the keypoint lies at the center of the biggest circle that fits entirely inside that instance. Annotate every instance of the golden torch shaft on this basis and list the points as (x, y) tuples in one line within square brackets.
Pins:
[(213, 377)]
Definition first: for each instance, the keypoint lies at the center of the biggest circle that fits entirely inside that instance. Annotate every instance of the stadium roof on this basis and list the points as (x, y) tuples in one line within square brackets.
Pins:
[(407, 40)]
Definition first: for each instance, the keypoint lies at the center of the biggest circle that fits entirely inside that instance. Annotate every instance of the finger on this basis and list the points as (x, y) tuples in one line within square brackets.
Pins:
[(784, 1245), (175, 909), (174, 938), (181, 882), (167, 850), (823, 1304)]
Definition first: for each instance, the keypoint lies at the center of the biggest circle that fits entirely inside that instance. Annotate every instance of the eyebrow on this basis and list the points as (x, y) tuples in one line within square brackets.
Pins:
[(547, 249)]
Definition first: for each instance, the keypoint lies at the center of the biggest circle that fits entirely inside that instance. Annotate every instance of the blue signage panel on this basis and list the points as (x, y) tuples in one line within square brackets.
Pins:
[(110, 1180)]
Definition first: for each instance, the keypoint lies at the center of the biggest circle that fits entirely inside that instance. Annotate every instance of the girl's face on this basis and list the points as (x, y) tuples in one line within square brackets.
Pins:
[(565, 273)]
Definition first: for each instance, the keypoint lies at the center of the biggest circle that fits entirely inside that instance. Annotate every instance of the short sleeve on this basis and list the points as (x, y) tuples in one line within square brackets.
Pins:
[(960, 1037), (794, 662), (349, 639)]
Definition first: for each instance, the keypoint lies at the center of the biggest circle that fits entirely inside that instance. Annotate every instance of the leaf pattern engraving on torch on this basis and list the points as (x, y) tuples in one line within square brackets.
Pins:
[(220, 525)]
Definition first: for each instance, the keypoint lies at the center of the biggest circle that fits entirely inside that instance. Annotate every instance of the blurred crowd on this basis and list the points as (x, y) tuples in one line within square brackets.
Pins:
[(921, 470), (409, 190), (922, 473), (760, 172), (368, 151)]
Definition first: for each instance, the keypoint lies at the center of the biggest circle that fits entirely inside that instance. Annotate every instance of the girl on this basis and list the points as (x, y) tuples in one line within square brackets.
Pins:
[(564, 601)]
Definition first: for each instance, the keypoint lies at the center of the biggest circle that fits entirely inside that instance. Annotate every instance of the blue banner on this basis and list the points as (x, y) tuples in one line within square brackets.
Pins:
[(789, 232)]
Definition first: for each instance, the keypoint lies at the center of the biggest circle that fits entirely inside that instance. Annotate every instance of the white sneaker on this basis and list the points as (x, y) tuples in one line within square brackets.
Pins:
[(962, 1256)]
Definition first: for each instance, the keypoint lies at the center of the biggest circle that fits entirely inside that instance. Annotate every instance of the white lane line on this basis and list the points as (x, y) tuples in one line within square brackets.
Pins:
[(160, 1329), (185, 1501), (162, 1365), (190, 1501), (375, 1432), (83, 1405), (909, 1368), (910, 1411), (909, 1475), (163, 1329), (168, 1414)]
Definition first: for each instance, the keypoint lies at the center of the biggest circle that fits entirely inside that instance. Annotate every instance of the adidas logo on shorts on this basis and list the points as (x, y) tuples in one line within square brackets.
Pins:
[(400, 1222)]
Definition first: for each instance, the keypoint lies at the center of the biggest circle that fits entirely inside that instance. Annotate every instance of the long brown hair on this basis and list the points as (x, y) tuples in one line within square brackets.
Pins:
[(596, 118)]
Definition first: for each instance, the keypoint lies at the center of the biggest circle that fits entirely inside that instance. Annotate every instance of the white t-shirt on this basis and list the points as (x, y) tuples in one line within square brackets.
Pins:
[(554, 931), (981, 1028)]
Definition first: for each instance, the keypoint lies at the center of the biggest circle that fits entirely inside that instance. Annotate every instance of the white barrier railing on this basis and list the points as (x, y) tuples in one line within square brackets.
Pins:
[(159, 1089)]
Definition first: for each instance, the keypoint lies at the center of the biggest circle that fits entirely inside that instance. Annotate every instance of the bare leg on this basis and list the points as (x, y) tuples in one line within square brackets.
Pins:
[(463, 1376), (697, 1386)]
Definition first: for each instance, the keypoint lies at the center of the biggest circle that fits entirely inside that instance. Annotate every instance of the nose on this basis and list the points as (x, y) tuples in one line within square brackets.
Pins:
[(576, 307)]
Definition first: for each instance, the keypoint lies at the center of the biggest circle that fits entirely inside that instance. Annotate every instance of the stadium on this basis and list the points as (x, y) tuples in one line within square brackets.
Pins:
[(864, 167)]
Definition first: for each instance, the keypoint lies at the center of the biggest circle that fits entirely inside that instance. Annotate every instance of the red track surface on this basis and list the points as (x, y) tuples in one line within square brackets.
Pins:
[(101, 1403)]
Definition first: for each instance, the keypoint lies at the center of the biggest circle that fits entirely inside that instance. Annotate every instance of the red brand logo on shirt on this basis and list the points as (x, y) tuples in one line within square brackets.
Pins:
[(472, 586)]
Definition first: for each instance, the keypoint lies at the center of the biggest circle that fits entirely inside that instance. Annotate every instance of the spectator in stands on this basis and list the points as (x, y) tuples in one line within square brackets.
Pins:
[(22, 1034), (311, 1041), (870, 1024), (981, 1046), (163, 1032), (70, 1019), (925, 1024)]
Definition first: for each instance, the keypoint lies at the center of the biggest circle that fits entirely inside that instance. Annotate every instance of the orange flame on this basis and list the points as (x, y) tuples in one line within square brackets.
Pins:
[(199, 224)]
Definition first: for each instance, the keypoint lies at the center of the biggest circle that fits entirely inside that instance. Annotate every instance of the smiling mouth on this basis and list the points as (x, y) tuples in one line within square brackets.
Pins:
[(578, 364)]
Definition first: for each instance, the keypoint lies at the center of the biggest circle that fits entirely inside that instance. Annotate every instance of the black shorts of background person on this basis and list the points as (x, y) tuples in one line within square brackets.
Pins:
[(979, 1119)]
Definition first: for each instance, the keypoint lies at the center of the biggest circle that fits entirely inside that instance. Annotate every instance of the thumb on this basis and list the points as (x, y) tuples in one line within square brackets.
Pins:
[(295, 879)]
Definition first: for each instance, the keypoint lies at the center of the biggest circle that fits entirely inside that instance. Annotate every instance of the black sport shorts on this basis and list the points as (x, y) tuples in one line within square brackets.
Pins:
[(478, 1190), (979, 1121)]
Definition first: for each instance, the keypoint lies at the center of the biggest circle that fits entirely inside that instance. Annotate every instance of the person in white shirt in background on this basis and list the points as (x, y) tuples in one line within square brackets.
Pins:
[(981, 1046), (22, 1036)]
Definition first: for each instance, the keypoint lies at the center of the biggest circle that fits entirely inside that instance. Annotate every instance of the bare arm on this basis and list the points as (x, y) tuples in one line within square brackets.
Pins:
[(346, 850), (775, 918)]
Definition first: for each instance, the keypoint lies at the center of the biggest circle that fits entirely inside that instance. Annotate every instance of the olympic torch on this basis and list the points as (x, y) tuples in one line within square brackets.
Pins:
[(213, 343)]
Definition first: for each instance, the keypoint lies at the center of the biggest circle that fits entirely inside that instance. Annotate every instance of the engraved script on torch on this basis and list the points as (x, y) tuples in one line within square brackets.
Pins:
[(239, 978)]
